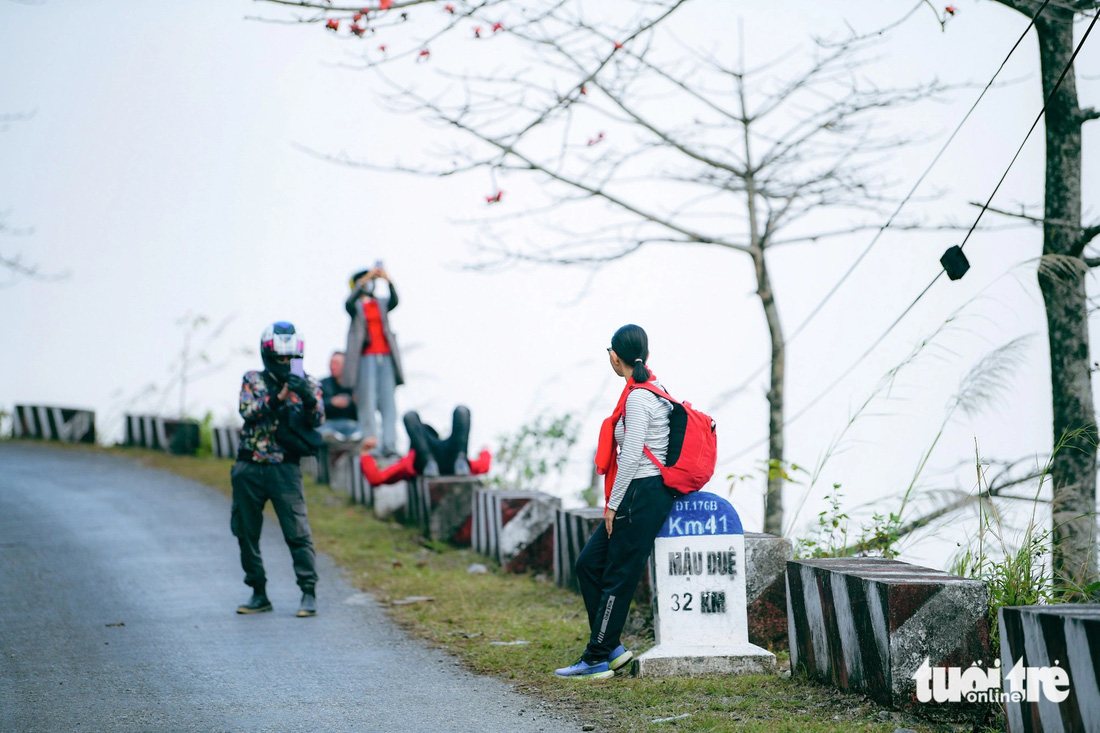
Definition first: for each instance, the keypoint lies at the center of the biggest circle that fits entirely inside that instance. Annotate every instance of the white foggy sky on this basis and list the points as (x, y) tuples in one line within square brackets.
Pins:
[(159, 171)]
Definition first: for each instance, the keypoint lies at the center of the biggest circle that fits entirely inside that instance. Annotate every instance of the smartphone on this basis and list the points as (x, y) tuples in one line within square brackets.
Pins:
[(296, 367), (378, 264)]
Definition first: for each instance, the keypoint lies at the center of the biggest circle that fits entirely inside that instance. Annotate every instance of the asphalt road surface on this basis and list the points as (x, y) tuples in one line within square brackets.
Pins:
[(118, 591)]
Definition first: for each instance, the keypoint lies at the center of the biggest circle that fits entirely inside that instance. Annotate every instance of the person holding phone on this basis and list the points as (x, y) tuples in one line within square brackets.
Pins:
[(267, 468), (372, 362)]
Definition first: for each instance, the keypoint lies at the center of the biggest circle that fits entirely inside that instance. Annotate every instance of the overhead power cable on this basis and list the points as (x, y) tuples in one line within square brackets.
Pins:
[(939, 274), (729, 394)]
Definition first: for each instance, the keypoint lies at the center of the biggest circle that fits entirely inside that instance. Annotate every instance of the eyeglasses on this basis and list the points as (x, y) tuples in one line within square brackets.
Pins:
[(609, 349)]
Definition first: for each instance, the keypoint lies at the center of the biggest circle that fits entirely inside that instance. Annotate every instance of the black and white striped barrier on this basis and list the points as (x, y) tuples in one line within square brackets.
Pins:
[(225, 442), (441, 506), (53, 423), (870, 625), (345, 474), (1065, 639), (180, 437), (515, 528), (572, 528)]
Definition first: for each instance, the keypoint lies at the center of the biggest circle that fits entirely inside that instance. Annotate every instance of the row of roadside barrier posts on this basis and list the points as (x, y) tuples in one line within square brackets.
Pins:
[(868, 625), (224, 442), (698, 579), (515, 528), (703, 627), (45, 422), (572, 528), (338, 465), (344, 473), (765, 562), (442, 506), (180, 437), (1050, 659)]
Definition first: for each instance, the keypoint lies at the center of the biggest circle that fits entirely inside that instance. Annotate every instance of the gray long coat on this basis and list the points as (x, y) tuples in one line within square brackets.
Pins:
[(357, 336)]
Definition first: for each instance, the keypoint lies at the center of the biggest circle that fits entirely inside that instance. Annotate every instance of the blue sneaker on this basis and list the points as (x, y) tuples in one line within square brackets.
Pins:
[(598, 671), (620, 656)]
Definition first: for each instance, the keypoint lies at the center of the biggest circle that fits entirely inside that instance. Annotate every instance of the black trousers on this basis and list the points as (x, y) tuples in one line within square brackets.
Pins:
[(426, 442), (281, 483), (609, 568)]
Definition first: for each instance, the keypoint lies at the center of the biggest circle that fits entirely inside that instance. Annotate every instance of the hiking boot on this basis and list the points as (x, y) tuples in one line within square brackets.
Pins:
[(620, 656), (598, 671), (258, 603), (308, 606)]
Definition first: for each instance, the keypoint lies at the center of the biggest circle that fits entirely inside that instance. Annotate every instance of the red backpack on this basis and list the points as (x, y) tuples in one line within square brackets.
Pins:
[(692, 445)]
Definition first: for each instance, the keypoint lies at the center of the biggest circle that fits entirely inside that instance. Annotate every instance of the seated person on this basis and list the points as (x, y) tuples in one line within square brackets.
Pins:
[(429, 455), (341, 416)]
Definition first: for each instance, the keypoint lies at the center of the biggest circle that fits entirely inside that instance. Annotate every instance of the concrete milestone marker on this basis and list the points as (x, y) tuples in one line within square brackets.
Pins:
[(699, 610)]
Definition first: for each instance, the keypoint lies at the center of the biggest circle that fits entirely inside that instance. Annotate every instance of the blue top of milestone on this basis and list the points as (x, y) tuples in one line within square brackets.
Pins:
[(701, 514)]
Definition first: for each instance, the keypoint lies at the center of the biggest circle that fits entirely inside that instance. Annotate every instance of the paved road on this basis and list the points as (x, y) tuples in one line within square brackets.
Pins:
[(89, 541)]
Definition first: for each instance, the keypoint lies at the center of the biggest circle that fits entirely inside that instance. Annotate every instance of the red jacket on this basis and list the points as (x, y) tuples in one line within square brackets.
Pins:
[(403, 470), (607, 452)]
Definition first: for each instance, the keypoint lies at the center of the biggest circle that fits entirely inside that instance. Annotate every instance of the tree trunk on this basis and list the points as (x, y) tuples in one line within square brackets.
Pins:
[(1073, 472), (773, 500)]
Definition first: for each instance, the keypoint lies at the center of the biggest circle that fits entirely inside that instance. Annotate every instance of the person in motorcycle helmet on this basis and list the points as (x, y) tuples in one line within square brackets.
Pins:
[(266, 470)]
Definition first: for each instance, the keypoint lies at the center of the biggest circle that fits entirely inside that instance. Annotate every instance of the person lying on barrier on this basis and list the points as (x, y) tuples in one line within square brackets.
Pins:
[(638, 502), (341, 420), (429, 455), (281, 411)]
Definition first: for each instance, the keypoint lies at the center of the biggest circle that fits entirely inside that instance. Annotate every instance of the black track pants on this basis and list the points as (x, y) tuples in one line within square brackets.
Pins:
[(253, 485), (609, 568), (425, 440)]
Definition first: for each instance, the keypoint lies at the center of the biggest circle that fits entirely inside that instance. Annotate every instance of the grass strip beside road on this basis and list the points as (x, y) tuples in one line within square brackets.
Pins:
[(468, 612)]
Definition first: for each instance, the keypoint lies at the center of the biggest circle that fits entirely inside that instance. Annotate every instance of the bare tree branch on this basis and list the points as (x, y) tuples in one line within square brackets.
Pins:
[(744, 155)]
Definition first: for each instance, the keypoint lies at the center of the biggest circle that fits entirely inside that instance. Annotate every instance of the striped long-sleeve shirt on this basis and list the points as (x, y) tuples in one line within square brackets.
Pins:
[(644, 422)]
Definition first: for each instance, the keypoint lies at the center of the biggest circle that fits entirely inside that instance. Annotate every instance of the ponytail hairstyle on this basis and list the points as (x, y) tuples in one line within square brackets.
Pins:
[(632, 345)]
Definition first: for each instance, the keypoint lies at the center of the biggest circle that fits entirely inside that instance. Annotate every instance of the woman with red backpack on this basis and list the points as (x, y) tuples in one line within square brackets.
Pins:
[(638, 502)]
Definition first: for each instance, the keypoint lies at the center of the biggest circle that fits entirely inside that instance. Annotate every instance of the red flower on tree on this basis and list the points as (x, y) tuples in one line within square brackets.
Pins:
[(382, 48), (333, 24), (357, 29), (477, 31), (424, 54), (357, 17), (385, 4), (618, 45), (592, 141), (951, 9), (498, 27), (495, 198), (450, 9), (584, 90)]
